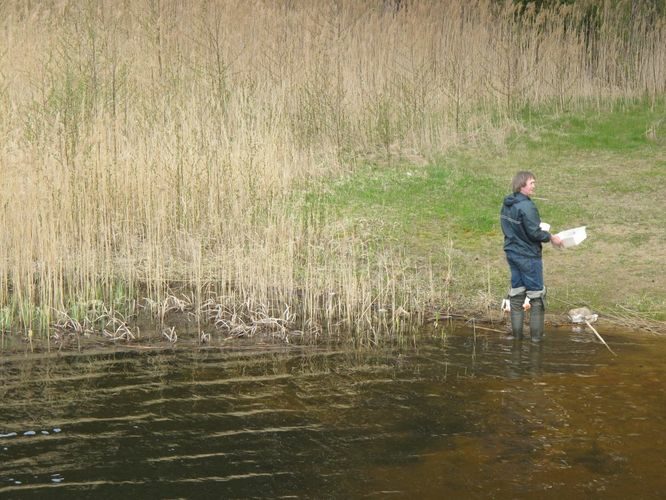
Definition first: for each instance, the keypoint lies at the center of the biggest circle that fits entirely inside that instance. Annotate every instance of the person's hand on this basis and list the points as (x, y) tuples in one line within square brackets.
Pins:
[(556, 241)]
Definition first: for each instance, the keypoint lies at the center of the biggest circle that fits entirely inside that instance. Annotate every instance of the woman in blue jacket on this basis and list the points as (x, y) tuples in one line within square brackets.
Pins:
[(523, 237)]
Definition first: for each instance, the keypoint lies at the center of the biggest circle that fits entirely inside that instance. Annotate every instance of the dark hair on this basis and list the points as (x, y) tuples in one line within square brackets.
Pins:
[(520, 180)]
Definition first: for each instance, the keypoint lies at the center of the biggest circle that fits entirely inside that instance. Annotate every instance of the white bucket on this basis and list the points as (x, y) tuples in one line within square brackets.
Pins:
[(572, 237)]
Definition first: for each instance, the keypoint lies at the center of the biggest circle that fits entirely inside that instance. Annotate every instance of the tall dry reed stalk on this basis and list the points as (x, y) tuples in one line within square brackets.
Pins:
[(156, 145)]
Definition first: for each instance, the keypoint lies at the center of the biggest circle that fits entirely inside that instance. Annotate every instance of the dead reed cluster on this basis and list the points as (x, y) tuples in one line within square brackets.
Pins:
[(161, 145)]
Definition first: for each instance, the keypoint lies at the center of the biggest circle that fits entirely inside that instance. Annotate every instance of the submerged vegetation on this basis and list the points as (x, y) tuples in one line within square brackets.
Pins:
[(244, 164)]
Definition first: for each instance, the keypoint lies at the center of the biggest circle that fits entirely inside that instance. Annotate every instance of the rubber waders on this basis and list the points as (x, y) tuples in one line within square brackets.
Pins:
[(537, 319), (517, 315)]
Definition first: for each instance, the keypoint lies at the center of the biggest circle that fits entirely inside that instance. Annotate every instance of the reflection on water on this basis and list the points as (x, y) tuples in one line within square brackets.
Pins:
[(481, 416)]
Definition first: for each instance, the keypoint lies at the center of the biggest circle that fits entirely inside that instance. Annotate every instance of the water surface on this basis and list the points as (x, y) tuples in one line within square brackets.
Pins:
[(451, 415)]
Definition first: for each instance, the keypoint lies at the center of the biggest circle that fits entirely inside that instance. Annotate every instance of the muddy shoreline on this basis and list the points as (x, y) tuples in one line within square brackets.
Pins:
[(182, 334)]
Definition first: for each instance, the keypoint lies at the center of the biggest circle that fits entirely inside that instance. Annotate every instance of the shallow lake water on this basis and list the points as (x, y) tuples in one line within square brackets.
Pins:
[(447, 416)]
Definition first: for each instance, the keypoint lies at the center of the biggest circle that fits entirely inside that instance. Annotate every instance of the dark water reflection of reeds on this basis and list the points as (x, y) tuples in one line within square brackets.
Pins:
[(479, 416)]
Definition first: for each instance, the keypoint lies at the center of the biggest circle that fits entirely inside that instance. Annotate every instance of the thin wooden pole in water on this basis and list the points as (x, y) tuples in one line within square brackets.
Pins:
[(489, 329), (600, 337)]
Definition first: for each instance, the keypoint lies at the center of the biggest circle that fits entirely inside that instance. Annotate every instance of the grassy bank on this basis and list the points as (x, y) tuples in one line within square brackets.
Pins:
[(605, 170), (231, 161)]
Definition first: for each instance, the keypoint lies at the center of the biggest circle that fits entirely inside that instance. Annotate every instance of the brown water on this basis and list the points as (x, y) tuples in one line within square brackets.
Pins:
[(462, 415)]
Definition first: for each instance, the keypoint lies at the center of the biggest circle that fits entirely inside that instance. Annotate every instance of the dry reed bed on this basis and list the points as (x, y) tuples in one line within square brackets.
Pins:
[(153, 145)]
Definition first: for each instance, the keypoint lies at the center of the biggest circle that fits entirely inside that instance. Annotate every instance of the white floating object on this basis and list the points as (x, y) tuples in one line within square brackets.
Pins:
[(581, 315), (544, 226), (572, 237)]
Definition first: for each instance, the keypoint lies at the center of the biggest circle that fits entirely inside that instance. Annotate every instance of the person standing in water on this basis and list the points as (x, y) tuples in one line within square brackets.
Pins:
[(523, 237)]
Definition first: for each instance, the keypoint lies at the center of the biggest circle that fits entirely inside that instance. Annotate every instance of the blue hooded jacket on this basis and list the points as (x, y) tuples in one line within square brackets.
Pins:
[(520, 224)]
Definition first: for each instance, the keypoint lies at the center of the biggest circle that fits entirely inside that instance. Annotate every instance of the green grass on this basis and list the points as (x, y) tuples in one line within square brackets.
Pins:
[(627, 129), (605, 170), (435, 199)]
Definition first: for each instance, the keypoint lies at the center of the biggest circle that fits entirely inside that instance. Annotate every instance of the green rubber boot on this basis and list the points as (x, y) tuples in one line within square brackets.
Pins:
[(517, 315), (537, 319)]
